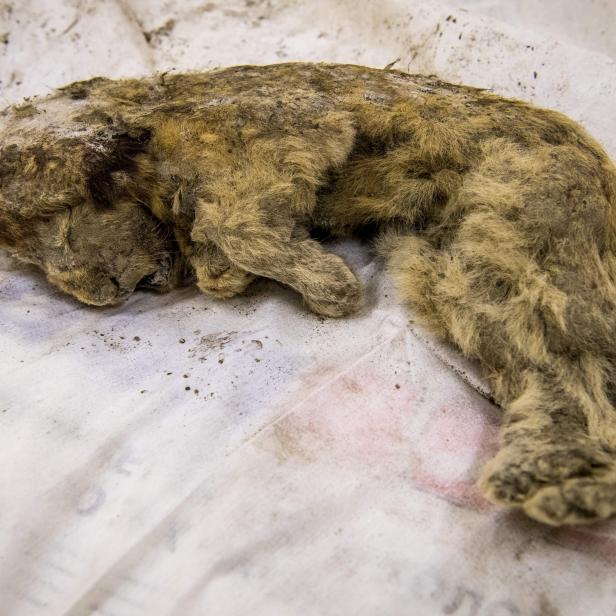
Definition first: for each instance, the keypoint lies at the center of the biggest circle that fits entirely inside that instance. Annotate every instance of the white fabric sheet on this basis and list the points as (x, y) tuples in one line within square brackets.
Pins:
[(180, 455)]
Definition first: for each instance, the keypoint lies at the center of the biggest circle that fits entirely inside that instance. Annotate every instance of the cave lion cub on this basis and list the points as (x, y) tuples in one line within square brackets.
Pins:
[(497, 218)]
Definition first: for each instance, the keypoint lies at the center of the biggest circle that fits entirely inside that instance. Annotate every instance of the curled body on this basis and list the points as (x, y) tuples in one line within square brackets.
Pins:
[(497, 218)]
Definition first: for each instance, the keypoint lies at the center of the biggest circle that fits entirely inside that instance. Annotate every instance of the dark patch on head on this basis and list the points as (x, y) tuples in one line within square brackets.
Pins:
[(12, 158), (42, 157), (120, 155)]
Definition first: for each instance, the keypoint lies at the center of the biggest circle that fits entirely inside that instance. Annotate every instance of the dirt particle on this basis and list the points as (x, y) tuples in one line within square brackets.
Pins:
[(182, 340), (187, 388), (397, 386), (153, 37), (69, 27), (391, 64), (221, 358), (257, 343), (185, 376)]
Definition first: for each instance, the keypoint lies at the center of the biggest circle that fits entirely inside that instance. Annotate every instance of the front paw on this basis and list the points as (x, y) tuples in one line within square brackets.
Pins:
[(337, 300), (230, 282)]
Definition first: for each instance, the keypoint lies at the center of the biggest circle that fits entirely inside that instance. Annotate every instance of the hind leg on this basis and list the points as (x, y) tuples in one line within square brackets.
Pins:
[(551, 462), (524, 285), (557, 459)]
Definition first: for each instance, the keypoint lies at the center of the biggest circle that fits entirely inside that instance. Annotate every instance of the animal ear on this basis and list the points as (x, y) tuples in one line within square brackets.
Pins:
[(114, 154)]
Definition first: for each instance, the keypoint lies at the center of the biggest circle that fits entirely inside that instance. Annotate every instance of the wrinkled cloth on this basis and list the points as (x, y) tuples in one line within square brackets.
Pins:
[(182, 455)]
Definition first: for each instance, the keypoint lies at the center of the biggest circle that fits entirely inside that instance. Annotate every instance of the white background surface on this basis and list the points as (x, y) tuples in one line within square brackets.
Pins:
[(313, 466)]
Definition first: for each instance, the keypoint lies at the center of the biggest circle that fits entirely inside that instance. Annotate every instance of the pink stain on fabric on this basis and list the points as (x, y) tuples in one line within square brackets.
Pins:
[(371, 417)]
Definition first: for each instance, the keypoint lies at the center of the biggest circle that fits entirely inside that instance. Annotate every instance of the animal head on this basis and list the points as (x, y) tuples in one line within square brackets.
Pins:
[(66, 205), (99, 257)]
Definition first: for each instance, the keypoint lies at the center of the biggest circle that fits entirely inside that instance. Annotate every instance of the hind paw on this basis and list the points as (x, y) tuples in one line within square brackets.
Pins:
[(575, 501), (554, 483)]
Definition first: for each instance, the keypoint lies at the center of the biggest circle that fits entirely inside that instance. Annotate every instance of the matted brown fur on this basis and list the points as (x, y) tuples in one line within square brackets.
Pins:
[(498, 220)]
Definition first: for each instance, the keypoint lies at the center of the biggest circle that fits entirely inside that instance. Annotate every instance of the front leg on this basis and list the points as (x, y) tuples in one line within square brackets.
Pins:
[(259, 198), (274, 251)]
